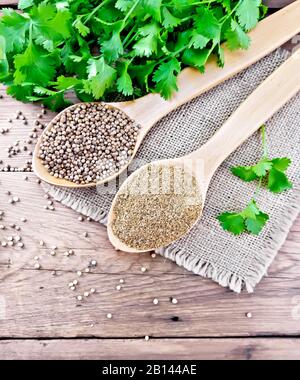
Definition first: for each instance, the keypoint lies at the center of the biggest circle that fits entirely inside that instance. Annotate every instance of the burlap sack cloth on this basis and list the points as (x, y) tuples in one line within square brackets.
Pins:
[(234, 262)]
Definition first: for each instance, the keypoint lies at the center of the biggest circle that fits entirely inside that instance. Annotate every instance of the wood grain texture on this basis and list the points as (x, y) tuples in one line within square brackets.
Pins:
[(278, 3), (154, 349), (38, 304)]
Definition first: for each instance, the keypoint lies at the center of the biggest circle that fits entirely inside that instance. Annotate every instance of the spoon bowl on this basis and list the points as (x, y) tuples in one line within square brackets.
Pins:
[(147, 110), (267, 99)]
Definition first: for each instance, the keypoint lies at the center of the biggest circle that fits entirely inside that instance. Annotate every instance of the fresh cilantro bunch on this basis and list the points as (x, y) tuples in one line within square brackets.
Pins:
[(99, 49), (269, 172)]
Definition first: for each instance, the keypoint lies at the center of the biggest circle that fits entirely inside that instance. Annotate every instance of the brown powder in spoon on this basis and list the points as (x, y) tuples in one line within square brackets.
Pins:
[(158, 206)]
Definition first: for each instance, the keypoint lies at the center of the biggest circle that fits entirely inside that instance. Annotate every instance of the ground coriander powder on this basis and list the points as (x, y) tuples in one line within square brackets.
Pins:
[(158, 206)]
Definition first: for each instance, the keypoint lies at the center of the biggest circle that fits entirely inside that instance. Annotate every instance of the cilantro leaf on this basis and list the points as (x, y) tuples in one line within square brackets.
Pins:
[(153, 8), (13, 27), (278, 181), (281, 164), (248, 13), (23, 4), (251, 219), (245, 173), (148, 44), (165, 77), (123, 5), (232, 222), (124, 83), (262, 167), (35, 65), (100, 77), (236, 37), (65, 83), (271, 170), (255, 225), (207, 25), (250, 211), (82, 29), (3, 59), (198, 41), (49, 26), (196, 58), (169, 21), (112, 48)]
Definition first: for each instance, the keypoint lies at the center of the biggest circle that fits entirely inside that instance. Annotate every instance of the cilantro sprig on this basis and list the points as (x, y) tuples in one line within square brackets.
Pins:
[(98, 49), (272, 173)]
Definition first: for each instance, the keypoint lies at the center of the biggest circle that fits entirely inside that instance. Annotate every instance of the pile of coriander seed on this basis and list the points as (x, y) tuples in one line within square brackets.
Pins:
[(88, 143)]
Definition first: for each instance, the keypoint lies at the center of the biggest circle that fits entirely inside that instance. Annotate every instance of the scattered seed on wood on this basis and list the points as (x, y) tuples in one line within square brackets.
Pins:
[(143, 269), (86, 294), (118, 287), (20, 245), (147, 338), (24, 220), (52, 253), (153, 255), (121, 281), (79, 273), (109, 315), (158, 206), (174, 301), (42, 243), (79, 298), (155, 301), (93, 290), (88, 143), (37, 266), (249, 315), (87, 270)]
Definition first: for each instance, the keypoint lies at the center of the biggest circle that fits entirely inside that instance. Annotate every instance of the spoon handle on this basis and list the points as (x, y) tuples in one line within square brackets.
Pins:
[(263, 103)]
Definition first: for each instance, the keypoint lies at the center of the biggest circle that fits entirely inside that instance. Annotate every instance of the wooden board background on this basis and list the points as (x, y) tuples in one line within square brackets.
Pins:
[(41, 318)]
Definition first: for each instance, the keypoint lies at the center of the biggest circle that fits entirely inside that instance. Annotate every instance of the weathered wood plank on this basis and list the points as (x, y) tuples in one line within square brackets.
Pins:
[(278, 3), (5, 3), (154, 349)]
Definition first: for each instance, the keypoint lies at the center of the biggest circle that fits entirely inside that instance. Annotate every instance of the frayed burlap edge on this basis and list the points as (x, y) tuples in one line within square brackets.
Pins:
[(260, 263), (203, 268)]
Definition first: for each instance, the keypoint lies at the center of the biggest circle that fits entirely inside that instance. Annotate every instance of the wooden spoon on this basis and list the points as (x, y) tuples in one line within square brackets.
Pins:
[(270, 33), (268, 98)]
